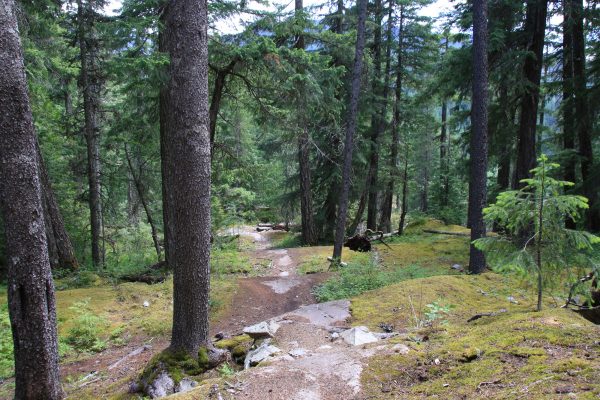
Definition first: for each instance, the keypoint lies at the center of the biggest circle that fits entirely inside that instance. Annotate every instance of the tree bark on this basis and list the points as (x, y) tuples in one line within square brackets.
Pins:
[(91, 86), (31, 302), (377, 122), (186, 142), (60, 248), (583, 122), (479, 123), (215, 103), (444, 164), (309, 232), (567, 105), (404, 206), (386, 212), (535, 28), (350, 130)]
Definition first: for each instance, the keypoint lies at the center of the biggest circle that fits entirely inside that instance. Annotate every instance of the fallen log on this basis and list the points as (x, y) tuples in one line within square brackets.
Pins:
[(447, 232), (489, 314), (154, 273)]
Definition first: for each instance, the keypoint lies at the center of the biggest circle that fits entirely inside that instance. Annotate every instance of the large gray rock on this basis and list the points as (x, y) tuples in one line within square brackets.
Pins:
[(162, 386), (262, 329), (185, 385), (254, 357), (358, 336)]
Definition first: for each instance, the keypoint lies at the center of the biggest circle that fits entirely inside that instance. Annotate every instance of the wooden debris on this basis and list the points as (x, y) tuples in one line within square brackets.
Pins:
[(447, 232), (490, 314)]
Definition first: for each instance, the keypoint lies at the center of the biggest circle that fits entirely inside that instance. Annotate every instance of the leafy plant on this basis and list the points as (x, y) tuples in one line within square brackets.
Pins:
[(6, 344), (533, 239), (84, 335)]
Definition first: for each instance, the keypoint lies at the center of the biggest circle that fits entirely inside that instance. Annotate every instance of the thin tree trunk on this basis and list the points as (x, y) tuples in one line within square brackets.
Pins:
[(567, 101), (444, 164), (350, 130), (535, 28), (90, 82), (60, 248), (186, 142), (141, 195), (386, 211), (425, 180), (479, 123), (583, 123), (215, 103), (376, 123), (31, 302), (404, 206), (309, 232)]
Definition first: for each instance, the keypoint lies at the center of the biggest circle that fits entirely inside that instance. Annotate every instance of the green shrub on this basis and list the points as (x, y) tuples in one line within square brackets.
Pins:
[(6, 345), (84, 335), (361, 276)]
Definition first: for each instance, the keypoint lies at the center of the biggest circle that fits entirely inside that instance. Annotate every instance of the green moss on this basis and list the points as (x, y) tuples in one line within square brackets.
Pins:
[(521, 350), (238, 346), (203, 360), (177, 364)]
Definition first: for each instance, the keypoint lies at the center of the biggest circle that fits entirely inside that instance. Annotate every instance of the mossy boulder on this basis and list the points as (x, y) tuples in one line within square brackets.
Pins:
[(238, 346), (172, 372)]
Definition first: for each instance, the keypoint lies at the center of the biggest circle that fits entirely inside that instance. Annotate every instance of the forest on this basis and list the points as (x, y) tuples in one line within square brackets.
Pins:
[(328, 199)]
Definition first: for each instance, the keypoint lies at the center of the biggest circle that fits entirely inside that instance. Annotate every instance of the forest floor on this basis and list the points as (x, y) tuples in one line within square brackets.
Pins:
[(515, 353)]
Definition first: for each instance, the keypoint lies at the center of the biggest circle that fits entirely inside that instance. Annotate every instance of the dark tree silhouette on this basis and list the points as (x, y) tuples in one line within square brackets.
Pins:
[(479, 126), (31, 302)]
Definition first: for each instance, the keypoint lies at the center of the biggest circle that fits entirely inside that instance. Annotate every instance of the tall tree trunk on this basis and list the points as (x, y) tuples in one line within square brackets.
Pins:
[(567, 101), (583, 122), (444, 157), (309, 232), (215, 103), (479, 123), (187, 168), (535, 29), (31, 303), (352, 111), (60, 248), (377, 122), (141, 193), (90, 83), (404, 205), (425, 179), (386, 212)]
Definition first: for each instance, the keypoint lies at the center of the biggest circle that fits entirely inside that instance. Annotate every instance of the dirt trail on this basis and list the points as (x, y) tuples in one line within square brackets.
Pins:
[(279, 290)]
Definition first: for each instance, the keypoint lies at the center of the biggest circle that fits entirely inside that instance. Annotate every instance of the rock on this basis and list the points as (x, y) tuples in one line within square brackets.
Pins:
[(146, 303), (335, 336), (358, 336), (254, 357), (401, 348), (325, 347), (185, 385), (382, 336), (220, 336), (564, 389), (163, 385), (262, 329), (512, 300), (298, 353), (387, 328), (457, 267)]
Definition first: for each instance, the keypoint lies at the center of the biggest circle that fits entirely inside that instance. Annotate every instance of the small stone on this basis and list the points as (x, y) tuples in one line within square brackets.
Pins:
[(335, 336), (436, 361), (446, 385), (325, 347), (457, 267), (401, 348), (254, 357), (512, 300), (146, 303), (298, 353), (186, 384), (358, 336), (564, 389), (262, 329)]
